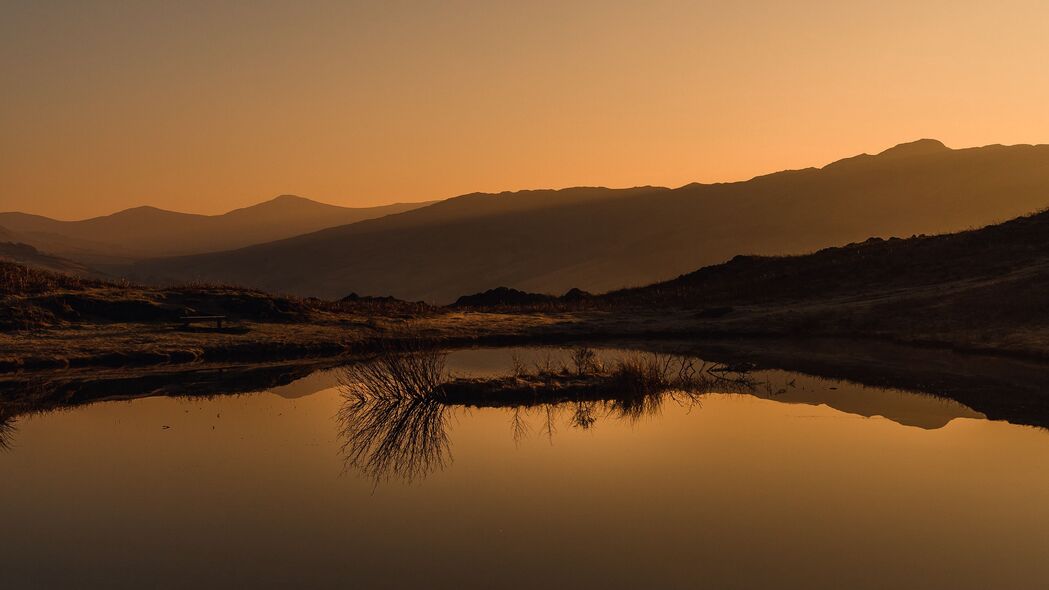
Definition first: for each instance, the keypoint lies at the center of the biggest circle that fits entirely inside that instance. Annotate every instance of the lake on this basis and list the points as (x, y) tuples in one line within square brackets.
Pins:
[(798, 483)]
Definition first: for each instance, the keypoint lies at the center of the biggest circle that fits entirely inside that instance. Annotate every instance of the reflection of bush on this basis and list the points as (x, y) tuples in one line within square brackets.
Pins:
[(7, 433), (390, 437)]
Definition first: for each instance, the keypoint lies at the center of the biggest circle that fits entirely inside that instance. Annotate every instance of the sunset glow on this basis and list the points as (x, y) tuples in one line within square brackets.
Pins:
[(205, 107)]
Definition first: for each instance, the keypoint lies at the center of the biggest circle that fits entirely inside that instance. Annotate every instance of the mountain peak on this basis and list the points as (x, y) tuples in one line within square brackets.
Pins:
[(285, 202), (142, 212), (290, 198), (280, 203), (922, 147)]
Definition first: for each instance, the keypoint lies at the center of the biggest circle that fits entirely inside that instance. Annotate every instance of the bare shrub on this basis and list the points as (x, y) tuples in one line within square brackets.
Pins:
[(546, 367), (518, 367), (409, 373), (584, 359)]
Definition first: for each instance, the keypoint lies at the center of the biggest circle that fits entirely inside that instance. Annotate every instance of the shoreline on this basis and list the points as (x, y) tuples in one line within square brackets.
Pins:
[(131, 345), (1000, 387)]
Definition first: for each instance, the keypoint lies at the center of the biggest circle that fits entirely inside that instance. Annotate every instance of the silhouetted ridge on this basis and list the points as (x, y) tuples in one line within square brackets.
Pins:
[(922, 147), (862, 268), (353, 297), (147, 231), (603, 239), (502, 296), (506, 297)]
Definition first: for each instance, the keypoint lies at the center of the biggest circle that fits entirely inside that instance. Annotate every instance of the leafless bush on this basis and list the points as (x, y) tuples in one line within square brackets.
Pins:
[(518, 367), (406, 374), (585, 360), (547, 367)]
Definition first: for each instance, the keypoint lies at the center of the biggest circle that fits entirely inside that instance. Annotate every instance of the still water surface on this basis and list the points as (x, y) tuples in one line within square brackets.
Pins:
[(820, 485)]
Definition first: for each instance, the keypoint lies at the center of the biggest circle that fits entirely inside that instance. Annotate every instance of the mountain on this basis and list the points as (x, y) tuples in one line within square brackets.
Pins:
[(1016, 251), (979, 289), (147, 231), (29, 256), (600, 239)]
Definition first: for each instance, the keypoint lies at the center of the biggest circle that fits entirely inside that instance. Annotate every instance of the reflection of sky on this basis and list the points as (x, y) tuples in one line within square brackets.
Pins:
[(738, 490), (906, 408)]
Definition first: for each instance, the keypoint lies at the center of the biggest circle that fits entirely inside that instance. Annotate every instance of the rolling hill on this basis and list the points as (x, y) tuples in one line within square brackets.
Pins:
[(601, 239), (29, 256), (147, 231), (1000, 269), (979, 289)]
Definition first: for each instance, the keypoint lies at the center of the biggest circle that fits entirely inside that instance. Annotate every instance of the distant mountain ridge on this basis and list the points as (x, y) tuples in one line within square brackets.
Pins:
[(600, 239), (147, 231)]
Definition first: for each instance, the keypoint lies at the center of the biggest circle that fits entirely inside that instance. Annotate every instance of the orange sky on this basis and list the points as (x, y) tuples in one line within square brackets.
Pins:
[(189, 106)]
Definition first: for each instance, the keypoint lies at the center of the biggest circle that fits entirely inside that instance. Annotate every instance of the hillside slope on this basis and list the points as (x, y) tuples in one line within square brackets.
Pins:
[(26, 255), (147, 231), (984, 288), (601, 239)]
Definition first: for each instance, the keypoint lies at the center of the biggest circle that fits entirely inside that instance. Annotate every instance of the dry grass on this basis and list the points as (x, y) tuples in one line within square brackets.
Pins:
[(16, 279)]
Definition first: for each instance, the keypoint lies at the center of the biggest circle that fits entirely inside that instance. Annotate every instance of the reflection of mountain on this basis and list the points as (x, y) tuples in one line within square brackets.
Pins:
[(395, 425), (25, 393), (902, 407), (909, 409), (309, 385), (599, 239)]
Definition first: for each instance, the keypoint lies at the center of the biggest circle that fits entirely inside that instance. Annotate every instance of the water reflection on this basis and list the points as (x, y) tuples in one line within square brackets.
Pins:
[(383, 438), (395, 415), (7, 432), (741, 492), (393, 421)]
